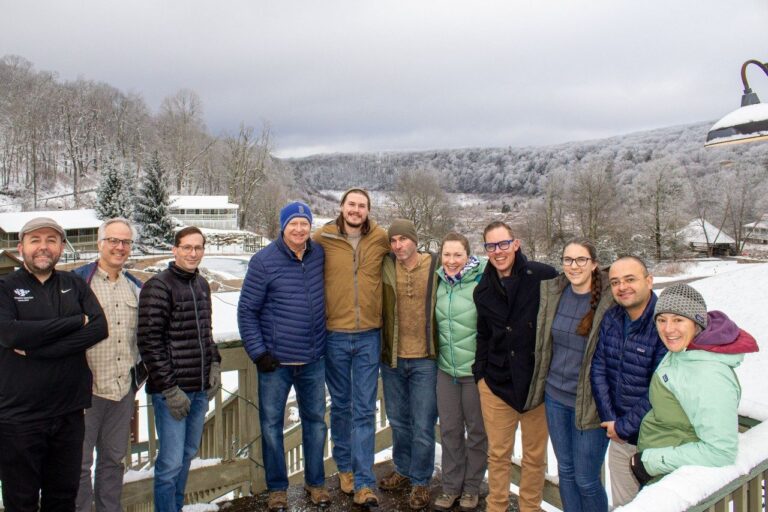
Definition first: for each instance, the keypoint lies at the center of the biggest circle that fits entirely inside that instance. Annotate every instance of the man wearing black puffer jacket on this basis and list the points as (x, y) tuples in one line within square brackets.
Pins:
[(176, 345), (507, 300)]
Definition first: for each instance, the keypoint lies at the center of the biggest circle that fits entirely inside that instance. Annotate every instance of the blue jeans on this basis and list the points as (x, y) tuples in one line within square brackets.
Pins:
[(411, 403), (352, 376), (309, 382), (179, 441), (580, 454)]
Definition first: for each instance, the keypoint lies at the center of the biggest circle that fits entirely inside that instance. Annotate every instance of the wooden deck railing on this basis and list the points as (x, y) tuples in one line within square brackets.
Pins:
[(231, 433)]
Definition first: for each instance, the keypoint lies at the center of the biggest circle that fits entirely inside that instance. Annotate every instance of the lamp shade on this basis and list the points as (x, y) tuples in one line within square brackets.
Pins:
[(747, 124)]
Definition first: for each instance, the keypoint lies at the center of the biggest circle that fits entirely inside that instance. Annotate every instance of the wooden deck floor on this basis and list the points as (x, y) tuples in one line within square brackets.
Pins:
[(389, 501)]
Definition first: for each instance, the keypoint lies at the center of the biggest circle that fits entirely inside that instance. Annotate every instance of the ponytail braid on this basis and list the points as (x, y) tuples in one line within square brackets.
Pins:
[(585, 326)]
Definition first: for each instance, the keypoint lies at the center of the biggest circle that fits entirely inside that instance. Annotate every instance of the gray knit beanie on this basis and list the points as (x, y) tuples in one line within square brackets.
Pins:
[(681, 299)]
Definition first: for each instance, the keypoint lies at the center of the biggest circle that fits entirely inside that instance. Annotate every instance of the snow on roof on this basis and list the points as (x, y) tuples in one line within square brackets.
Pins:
[(694, 233), (68, 219), (195, 202)]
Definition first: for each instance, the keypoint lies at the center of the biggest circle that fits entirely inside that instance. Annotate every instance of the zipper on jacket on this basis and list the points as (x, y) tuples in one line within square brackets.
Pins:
[(199, 339), (311, 309), (450, 331)]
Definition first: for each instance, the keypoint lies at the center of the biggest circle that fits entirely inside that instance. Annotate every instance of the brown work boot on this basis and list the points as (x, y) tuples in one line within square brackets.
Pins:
[(393, 481), (468, 502), (419, 497), (445, 502), (365, 497), (277, 500), (347, 482), (318, 495)]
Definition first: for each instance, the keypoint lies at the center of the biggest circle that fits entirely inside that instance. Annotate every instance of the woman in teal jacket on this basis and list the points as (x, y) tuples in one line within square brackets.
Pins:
[(458, 402), (694, 392)]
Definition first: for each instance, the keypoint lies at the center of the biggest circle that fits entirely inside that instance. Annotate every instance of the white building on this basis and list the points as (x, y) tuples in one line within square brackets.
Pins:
[(700, 235), (214, 212), (757, 231), (81, 227)]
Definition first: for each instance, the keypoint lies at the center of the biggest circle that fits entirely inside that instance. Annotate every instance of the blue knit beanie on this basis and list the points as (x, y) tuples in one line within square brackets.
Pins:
[(293, 210)]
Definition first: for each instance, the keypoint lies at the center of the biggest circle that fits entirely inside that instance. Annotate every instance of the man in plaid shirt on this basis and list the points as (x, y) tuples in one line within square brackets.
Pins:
[(116, 369)]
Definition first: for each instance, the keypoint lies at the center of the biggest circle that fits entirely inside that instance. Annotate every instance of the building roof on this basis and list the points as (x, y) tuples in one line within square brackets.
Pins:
[(197, 202), (696, 234), (68, 219)]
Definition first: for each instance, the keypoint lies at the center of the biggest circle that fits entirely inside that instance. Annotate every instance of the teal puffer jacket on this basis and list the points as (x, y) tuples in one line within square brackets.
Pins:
[(457, 322)]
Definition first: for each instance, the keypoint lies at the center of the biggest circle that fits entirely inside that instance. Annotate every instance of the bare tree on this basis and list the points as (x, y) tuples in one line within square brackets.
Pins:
[(248, 158), (744, 185), (419, 197), (593, 197), (182, 135)]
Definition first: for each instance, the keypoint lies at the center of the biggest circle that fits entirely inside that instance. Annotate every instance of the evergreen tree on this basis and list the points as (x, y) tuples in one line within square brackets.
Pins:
[(152, 206), (115, 193)]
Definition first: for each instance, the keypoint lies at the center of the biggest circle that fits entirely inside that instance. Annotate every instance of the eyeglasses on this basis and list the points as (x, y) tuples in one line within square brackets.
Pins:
[(186, 249), (580, 261), (502, 246), (115, 242)]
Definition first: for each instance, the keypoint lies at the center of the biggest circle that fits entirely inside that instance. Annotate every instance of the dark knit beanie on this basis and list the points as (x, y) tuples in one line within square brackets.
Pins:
[(681, 299), (293, 210), (405, 228)]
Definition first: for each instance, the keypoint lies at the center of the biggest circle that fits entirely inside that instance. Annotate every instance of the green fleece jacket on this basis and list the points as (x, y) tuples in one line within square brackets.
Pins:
[(457, 322), (694, 412)]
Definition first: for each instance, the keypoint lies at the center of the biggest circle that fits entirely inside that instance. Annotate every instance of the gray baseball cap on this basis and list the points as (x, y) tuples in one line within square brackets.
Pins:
[(40, 223)]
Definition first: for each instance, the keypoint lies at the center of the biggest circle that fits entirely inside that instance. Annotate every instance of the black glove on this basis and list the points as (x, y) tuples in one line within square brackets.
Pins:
[(177, 402), (636, 465), (214, 379), (266, 363)]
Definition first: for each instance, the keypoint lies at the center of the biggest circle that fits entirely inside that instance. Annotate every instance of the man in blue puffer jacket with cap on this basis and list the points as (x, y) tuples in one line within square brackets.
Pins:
[(281, 316)]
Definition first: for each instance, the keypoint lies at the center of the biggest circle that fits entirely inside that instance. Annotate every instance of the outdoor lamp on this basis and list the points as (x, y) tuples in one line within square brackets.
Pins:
[(747, 124)]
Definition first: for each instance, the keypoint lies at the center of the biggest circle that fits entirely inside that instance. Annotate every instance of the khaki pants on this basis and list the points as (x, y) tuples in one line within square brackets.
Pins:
[(624, 487), (500, 426)]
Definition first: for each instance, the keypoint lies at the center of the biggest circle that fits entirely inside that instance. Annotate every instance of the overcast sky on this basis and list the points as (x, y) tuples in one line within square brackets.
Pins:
[(361, 75)]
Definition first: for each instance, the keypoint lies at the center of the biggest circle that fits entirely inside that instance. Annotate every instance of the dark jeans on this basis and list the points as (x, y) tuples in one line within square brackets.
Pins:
[(580, 455), (411, 403), (40, 463), (309, 382)]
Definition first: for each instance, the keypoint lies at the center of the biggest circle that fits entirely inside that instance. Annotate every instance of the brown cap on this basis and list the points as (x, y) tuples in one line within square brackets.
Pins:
[(403, 227), (40, 223)]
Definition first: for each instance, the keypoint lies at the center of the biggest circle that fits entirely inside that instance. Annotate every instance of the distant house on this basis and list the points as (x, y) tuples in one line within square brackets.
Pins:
[(8, 262), (757, 232), (81, 226), (701, 236), (214, 212)]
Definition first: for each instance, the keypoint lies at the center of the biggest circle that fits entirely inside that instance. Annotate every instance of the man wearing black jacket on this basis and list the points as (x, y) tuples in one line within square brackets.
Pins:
[(176, 344), (507, 300), (47, 321)]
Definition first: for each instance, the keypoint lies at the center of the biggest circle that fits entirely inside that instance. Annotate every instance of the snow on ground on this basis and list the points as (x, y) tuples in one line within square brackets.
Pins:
[(741, 294), (693, 269)]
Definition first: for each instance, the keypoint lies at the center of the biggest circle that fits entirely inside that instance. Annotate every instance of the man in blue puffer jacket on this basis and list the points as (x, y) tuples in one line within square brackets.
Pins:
[(281, 316), (628, 351)]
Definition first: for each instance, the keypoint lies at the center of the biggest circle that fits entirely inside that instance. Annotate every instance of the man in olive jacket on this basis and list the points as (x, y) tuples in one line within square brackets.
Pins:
[(507, 300)]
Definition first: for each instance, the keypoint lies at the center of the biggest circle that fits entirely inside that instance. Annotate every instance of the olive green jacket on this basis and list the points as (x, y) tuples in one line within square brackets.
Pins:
[(551, 291), (389, 327)]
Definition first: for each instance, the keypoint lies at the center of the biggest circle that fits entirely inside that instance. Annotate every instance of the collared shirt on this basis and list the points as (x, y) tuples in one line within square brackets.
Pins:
[(111, 359), (412, 300)]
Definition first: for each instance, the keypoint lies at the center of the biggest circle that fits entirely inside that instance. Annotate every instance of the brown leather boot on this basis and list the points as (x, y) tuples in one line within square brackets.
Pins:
[(366, 497), (318, 495), (393, 481), (347, 482), (419, 497), (277, 501)]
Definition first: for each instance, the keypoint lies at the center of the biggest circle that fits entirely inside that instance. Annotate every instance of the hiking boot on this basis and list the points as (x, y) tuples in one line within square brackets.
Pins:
[(445, 502), (318, 495), (468, 502), (347, 482), (419, 498), (277, 501), (366, 497), (393, 481)]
